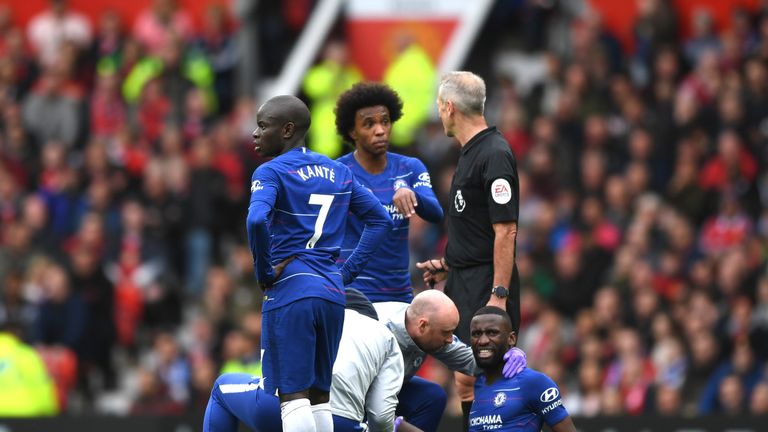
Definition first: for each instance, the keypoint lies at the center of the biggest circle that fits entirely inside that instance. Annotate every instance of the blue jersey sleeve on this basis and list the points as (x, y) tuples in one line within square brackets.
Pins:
[(429, 208), (544, 399), (367, 207), (264, 190)]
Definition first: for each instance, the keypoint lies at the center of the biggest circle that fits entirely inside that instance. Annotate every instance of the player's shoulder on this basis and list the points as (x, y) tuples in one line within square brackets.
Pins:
[(267, 168), (529, 374), (403, 160), (537, 383), (346, 159)]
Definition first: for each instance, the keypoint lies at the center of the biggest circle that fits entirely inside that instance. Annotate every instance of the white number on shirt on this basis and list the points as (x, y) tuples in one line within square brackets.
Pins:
[(324, 201)]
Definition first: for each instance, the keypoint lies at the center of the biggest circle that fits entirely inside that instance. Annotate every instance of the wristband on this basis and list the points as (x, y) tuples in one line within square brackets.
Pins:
[(397, 422)]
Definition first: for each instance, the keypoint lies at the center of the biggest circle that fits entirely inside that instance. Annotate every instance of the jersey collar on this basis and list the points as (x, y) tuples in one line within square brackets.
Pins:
[(480, 135)]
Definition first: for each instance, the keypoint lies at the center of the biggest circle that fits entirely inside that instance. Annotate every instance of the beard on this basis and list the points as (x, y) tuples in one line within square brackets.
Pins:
[(493, 361)]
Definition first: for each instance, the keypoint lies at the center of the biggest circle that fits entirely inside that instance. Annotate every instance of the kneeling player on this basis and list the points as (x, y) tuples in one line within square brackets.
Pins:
[(522, 403)]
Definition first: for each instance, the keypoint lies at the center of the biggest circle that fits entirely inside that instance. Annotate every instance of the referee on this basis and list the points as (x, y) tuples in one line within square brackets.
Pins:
[(482, 213)]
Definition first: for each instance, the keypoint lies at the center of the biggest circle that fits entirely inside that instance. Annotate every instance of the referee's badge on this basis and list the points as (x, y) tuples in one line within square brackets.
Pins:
[(501, 191), (499, 399), (458, 201)]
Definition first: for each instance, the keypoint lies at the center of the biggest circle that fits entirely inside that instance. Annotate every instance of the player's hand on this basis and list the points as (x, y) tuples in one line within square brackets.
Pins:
[(281, 266), (405, 201), (515, 362), (435, 270)]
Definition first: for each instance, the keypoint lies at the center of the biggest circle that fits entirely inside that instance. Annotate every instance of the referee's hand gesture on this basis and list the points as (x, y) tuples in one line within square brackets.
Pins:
[(435, 270)]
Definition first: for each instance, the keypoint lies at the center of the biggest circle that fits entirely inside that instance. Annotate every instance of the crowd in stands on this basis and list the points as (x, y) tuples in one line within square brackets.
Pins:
[(124, 163)]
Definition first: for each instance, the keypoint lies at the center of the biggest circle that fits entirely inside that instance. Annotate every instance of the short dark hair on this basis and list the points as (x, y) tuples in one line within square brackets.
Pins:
[(364, 95), (495, 310)]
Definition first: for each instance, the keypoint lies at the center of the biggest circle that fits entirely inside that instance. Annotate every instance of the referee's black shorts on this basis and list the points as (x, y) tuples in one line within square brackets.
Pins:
[(470, 289)]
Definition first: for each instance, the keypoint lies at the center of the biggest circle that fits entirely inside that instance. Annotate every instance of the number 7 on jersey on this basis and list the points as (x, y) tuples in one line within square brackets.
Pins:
[(324, 201)]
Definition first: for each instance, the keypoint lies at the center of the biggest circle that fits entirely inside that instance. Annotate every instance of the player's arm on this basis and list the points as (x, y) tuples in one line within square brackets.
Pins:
[(378, 224), (543, 399), (418, 197), (381, 400), (501, 190), (565, 425), (263, 197)]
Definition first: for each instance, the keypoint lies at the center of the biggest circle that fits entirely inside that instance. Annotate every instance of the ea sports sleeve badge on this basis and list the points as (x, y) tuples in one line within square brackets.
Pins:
[(501, 191)]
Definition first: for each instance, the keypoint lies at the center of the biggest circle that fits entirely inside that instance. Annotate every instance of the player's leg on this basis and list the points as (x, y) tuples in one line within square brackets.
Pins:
[(422, 403), (240, 397), (329, 318), (289, 362)]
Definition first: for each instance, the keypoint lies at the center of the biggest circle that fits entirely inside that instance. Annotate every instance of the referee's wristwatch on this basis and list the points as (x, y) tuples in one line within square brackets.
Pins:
[(500, 291)]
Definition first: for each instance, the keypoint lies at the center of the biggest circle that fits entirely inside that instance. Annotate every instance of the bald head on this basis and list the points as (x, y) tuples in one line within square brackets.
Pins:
[(466, 90), (432, 303), (282, 123), (431, 319), (287, 108)]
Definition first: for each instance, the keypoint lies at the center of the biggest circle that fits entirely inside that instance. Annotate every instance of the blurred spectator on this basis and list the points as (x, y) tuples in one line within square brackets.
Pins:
[(220, 47), (323, 84), (109, 38), (758, 403), (407, 72), (207, 189), (731, 396), (62, 315), (153, 397), (703, 38), (108, 112), (14, 308), (27, 388), (169, 366), (163, 21), (586, 401), (50, 29), (631, 372), (17, 249), (90, 281), (203, 376), (241, 354), (164, 213), (654, 27), (758, 335), (733, 381), (159, 83), (218, 306), (53, 110)]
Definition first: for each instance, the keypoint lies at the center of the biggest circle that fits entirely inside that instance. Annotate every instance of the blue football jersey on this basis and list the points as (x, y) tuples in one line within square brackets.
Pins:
[(386, 277), (523, 403), (299, 206)]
